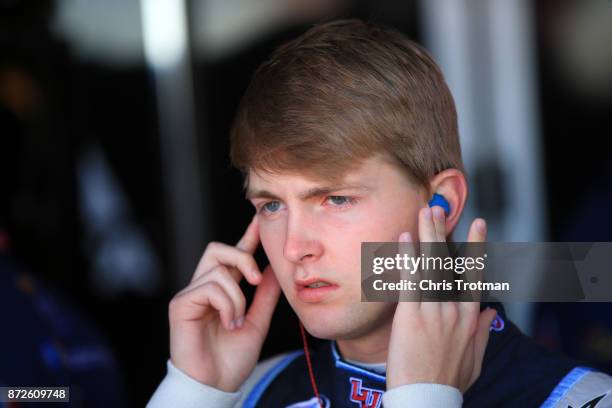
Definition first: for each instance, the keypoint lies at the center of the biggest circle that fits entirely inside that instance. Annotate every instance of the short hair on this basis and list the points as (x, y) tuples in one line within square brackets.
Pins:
[(340, 93)]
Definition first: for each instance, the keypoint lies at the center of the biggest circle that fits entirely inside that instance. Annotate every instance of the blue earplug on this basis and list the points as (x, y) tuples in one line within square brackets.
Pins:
[(438, 199)]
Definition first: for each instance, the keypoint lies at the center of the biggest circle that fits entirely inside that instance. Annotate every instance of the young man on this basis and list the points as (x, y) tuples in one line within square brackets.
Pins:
[(343, 137)]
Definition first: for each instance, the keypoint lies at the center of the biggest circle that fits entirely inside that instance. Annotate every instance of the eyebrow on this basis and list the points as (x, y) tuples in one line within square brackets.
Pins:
[(307, 194)]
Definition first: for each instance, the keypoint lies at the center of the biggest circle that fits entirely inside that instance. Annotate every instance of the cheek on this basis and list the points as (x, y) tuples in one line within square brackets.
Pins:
[(272, 237), (397, 217), (355, 224), (380, 221), (343, 236)]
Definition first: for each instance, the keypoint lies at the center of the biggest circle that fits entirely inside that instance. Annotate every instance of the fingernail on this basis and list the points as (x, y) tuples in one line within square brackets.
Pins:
[(240, 321), (428, 214), (256, 274), (438, 212), (481, 226), (232, 325), (405, 237)]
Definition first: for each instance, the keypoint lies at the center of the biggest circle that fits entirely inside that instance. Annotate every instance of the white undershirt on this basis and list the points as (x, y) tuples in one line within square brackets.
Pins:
[(379, 368)]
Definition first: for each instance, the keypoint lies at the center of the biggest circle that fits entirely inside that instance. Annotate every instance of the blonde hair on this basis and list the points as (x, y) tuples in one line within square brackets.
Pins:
[(340, 93)]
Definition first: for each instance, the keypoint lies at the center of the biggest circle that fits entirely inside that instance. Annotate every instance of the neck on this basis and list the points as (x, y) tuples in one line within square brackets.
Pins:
[(371, 348)]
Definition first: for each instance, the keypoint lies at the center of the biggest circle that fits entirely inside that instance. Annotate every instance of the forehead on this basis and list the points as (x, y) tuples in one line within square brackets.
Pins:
[(316, 173), (368, 174)]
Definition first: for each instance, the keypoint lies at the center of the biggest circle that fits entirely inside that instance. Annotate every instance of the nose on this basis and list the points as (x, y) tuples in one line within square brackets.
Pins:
[(301, 243)]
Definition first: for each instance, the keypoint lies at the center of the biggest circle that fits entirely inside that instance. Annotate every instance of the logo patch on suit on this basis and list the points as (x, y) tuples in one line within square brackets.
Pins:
[(497, 324), (365, 397)]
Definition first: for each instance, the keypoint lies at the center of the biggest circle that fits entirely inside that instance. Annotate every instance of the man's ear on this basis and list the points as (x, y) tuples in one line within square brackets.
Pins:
[(451, 184)]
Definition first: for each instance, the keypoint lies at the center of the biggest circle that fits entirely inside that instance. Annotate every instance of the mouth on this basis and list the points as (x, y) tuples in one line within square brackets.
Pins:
[(314, 290), (317, 284)]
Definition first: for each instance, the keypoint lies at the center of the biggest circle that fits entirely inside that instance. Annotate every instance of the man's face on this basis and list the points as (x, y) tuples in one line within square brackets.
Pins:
[(312, 231)]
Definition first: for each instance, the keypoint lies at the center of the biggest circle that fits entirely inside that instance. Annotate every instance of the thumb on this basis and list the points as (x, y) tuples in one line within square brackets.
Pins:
[(481, 340), (264, 302)]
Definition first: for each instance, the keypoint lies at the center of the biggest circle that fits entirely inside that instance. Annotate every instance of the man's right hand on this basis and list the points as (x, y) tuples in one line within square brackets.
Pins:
[(211, 338)]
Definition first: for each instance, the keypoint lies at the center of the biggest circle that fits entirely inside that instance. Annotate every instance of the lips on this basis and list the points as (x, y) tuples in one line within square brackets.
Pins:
[(312, 280), (314, 289)]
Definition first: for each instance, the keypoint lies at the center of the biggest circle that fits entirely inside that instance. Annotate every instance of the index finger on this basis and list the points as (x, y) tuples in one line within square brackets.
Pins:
[(250, 240), (411, 296), (477, 236)]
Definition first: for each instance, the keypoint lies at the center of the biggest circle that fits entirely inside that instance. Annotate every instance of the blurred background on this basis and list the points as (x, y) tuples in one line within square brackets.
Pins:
[(114, 169)]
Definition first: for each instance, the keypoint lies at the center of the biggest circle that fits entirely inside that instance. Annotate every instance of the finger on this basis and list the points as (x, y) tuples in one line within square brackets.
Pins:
[(481, 340), (193, 304), (478, 231), (427, 237), (469, 315), (240, 263), (432, 311), (221, 275), (246, 245), (441, 249), (477, 236), (439, 220), (427, 230), (411, 297), (250, 239), (469, 311), (450, 314), (264, 302)]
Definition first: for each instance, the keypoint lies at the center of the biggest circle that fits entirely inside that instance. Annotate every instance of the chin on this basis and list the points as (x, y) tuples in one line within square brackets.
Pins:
[(359, 320), (323, 323), (332, 325), (324, 331)]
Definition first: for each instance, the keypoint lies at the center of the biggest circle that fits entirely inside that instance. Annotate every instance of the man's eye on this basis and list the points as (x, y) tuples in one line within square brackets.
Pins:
[(271, 206), (340, 200)]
